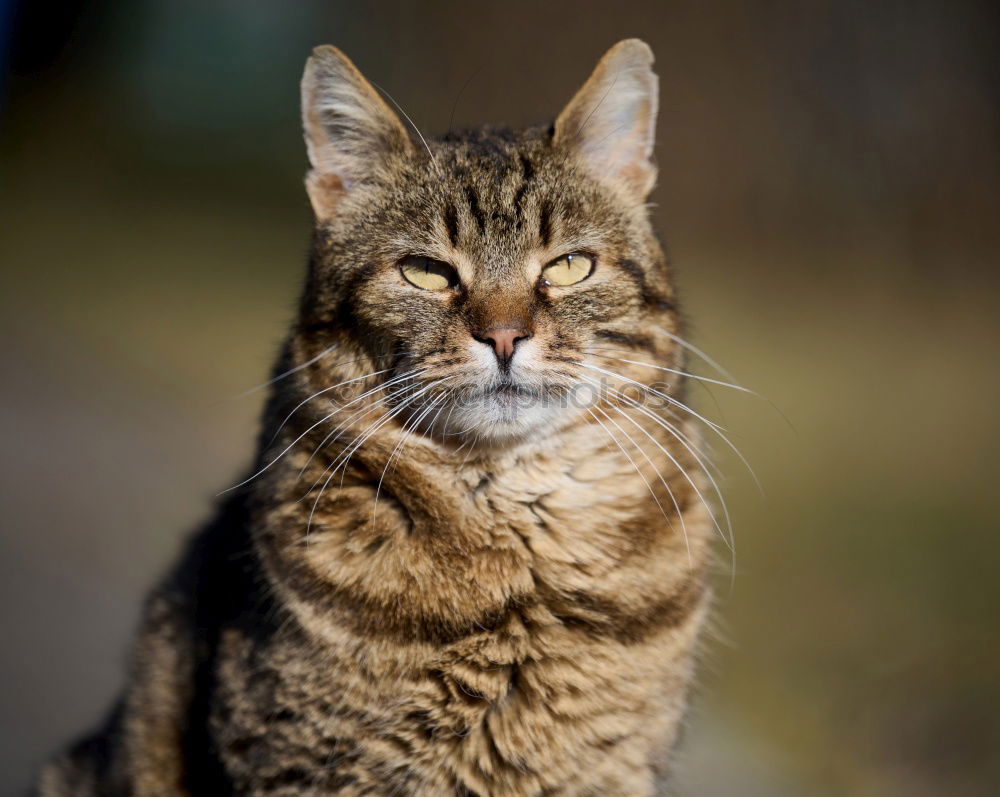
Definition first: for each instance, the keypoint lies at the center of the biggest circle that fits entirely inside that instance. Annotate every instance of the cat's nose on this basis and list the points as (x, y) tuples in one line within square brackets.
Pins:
[(503, 340)]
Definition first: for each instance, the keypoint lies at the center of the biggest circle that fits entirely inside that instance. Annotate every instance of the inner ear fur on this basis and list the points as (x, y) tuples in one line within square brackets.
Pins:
[(349, 129), (610, 124)]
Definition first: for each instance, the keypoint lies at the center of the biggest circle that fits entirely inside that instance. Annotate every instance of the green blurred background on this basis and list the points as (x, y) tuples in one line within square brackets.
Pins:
[(830, 195)]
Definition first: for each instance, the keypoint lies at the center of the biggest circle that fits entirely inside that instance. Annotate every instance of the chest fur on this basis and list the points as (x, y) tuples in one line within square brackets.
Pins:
[(492, 625)]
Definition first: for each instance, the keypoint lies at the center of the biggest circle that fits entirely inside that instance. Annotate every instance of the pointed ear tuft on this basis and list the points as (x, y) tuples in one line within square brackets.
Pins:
[(610, 124), (349, 129)]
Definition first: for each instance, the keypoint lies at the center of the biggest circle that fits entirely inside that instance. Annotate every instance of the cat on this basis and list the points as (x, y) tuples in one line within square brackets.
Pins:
[(472, 556)]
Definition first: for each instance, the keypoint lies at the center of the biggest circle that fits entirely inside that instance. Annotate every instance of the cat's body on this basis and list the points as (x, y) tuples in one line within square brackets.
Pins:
[(495, 589)]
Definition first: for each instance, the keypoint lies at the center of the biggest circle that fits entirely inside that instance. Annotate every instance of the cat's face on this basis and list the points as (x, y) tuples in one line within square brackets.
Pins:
[(490, 272)]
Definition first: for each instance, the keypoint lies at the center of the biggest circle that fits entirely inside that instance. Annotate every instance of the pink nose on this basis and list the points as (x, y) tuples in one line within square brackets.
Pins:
[(503, 340)]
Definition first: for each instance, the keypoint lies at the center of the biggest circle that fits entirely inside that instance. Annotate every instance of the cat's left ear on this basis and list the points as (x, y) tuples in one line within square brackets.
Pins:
[(610, 125), (350, 132)]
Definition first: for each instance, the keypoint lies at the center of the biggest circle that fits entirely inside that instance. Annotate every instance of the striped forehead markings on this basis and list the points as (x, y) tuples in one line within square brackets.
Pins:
[(474, 209), (451, 222), (527, 173), (545, 222), (517, 216)]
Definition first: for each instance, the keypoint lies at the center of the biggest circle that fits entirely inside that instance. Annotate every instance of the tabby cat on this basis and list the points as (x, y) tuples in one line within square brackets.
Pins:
[(471, 557)]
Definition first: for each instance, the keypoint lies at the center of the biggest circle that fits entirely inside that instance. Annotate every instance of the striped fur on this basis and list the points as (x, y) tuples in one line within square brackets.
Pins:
[(510, 609)]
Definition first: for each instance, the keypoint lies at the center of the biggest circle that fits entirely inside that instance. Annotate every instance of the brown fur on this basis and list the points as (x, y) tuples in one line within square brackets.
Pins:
[(512, 611)]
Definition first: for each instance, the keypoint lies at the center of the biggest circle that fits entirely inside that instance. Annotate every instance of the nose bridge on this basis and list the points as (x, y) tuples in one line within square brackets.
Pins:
[(501, 317), (500, 307)]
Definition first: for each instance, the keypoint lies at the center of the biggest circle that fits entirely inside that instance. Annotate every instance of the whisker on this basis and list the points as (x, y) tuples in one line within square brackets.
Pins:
[(345, 457), (673, 499), (698, 456), (688, 444), (708, 464), (454, 107), (678, 372), (703, 379), (318, 393), (399, 447), (297, 439), (437, 415), (642, 476), (695, 350), (360, 413), (408, 119), (720, 431), (287, 373), (648, 389), (285, 451), (475, 442), (447, 421), (730, 541)]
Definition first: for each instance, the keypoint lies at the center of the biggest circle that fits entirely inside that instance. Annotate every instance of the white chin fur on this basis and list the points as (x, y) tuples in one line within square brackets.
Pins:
[(498, 420)]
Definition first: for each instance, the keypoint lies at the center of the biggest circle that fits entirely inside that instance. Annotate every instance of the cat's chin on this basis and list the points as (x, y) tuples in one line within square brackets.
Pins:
[(504, 419)]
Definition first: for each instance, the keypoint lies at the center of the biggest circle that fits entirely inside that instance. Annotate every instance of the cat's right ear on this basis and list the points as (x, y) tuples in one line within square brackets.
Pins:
[(610, 124), (348, 127)]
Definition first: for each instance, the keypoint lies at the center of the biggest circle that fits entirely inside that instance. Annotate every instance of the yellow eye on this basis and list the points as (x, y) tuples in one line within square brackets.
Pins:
[(568, 270), (431, 275)]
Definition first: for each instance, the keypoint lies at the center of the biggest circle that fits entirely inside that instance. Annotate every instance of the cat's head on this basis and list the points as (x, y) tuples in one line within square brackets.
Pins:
[(502, 270)]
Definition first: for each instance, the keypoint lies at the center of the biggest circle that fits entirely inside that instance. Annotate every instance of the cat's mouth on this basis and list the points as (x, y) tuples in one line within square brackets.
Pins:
[(500, 411), (510, 390), (510, 393)]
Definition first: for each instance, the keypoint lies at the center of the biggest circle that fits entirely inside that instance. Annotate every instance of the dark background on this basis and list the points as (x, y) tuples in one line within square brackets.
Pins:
[(830, 194)]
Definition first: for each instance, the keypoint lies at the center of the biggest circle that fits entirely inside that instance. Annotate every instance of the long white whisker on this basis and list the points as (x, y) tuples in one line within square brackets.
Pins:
[(285, 451), (638, 470), (706, 465), (704, 379), (695, 350), (358, 414), (399, 447), (673, 499), (688, 444), (437, 415), (447, 421), (679, 373), (408, 119), (699, 456), (475, 442), (321, 392), (306, 432), (648, 389), (730, 541), (345, 457), (287, 373), (347, 454), (670, 399)]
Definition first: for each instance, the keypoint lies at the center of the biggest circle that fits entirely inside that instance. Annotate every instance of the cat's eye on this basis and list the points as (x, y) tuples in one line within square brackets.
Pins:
[(568, 269), (429, 274)]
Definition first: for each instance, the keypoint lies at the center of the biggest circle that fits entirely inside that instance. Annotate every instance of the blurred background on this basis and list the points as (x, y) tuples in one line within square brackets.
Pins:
[(830, 195)]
